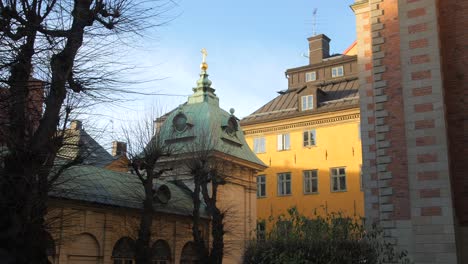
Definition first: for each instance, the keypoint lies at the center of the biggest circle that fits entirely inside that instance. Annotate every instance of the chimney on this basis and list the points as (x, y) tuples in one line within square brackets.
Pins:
[(319, 48), (76, 125), (119, 148)]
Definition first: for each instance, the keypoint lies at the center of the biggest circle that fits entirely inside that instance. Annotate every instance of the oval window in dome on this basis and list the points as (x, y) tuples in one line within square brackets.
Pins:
[(231, 126), (180, 122)]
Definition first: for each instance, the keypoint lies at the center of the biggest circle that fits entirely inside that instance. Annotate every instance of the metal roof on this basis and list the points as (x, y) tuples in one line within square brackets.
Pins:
[(101, 186), (333, 95)]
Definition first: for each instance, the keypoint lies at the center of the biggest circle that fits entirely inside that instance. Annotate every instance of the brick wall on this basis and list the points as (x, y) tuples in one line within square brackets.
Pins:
[(453, 28), (406, 154)]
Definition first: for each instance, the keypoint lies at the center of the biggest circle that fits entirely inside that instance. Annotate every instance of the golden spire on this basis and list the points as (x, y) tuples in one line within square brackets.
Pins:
[(204, 65)]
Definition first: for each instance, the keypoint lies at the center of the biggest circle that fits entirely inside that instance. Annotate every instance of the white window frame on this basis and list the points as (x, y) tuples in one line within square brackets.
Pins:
[(261, 181), (307, 102), (338, 175), (259, 145), (284, 179), (284, 142), (311, 76), (310, 180), (311, 139), (337, 71)]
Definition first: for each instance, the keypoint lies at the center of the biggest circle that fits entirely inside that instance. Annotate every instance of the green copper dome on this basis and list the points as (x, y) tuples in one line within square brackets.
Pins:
[(200, 124)]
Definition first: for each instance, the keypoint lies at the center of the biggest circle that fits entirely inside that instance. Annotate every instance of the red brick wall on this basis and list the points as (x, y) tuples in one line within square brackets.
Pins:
[(453, 29), (394, 105)]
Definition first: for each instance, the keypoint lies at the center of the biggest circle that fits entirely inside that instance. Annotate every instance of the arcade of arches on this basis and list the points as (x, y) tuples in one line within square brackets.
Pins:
[(89, 235)]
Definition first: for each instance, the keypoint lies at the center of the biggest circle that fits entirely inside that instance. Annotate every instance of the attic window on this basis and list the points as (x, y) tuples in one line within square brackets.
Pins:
[(337, 71), (307, 102), (310, 76), (180, 122)]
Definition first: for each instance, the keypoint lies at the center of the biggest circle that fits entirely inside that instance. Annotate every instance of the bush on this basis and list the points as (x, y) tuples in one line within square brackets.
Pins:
[(323, 240)]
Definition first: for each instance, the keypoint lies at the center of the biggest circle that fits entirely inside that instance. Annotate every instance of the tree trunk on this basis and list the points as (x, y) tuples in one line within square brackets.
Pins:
[(217, 226), (200, 246), (143, 246)]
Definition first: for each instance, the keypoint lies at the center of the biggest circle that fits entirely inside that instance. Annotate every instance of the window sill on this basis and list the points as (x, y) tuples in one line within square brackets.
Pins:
[(280, 150), (283, 195), (312, 193), (339, 191), (261, 197), (309, 147)]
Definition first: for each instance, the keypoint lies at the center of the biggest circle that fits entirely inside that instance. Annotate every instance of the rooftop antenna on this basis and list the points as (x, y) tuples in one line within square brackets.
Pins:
[(314, 22), (314, 28)]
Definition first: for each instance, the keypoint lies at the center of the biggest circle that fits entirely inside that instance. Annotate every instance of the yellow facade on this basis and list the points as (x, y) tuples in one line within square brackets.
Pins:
[(337, 145)]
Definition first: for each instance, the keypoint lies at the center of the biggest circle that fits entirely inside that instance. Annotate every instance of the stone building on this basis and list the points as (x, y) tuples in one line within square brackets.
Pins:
[(412, 67), (309, 137)]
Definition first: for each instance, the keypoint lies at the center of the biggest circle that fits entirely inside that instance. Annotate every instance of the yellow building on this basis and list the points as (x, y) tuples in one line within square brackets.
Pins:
[(309, 136)]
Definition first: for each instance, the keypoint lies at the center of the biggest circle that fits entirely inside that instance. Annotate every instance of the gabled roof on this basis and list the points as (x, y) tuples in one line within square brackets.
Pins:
[(334, 95), (78, 143)]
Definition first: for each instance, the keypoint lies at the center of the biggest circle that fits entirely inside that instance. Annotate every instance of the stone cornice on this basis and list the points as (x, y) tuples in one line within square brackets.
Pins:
[(308, 123), (359, 5)]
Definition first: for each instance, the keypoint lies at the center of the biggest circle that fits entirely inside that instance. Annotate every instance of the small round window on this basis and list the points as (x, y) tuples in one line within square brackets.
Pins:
[(180, 122), (231, 126)]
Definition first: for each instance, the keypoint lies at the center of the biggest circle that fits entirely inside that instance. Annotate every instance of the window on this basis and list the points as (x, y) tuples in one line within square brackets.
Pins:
[(261, 232), (259, 145), (337, 71), (338, 178), (307, 102), (284, 183), (310, 181), (309, 138), (161, 253), (261, 186), (123, 251), (310, 76), (283, 142)]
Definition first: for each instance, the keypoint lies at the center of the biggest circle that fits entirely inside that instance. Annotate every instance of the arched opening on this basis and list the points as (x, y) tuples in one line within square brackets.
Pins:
[(161, 252), (84, 249), (189, 255), (124, 251)]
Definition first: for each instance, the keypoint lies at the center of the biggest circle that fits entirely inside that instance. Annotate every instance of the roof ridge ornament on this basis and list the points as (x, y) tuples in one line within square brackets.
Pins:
[(204, 65), (204, 83)]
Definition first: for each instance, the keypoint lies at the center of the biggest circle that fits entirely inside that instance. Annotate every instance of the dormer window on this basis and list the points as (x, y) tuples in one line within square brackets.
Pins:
[(232, 126), (307, 102), (180, 122), (337, 71), (310, 76)]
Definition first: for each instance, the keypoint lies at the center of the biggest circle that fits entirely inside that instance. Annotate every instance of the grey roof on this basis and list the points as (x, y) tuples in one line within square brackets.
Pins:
[(78, 143), (101, 186), (334, 95)]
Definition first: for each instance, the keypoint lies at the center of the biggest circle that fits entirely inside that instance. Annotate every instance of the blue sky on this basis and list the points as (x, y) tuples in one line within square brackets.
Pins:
[(250, 44)]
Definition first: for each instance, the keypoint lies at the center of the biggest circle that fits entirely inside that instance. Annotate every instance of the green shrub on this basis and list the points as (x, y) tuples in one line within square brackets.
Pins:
[(332, 239)]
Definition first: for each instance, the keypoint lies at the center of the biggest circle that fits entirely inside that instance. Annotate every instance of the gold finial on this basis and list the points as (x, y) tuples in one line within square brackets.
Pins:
[(204, 65)]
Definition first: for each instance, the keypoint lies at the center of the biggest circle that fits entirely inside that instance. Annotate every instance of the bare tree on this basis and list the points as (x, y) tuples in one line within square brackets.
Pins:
[(49, 36), (145, 149), (207, 167)]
